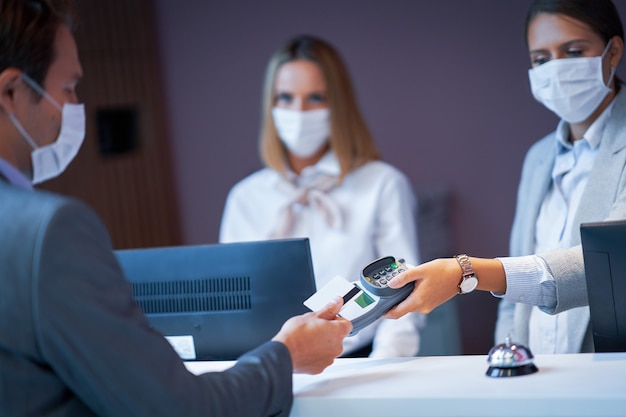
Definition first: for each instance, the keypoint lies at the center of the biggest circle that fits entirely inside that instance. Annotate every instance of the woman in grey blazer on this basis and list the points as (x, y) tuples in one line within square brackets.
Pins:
[(575, 174)]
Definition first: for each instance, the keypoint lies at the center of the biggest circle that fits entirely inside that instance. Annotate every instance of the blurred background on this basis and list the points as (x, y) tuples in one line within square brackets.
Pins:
[(173, 91)]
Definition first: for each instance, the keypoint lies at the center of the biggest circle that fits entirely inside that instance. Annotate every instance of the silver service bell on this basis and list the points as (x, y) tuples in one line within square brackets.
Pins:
[(510, 359)]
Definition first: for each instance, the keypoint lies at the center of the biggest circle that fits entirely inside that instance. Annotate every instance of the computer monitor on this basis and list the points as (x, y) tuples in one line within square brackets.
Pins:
[(604, 252), (216, 302)]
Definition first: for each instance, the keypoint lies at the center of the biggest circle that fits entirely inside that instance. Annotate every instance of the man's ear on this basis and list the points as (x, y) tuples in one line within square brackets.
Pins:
[(617, 49), (10, 80)]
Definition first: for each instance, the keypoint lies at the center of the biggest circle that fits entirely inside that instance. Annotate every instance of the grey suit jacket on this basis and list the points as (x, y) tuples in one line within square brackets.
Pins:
[(604, 198), (73, 342)]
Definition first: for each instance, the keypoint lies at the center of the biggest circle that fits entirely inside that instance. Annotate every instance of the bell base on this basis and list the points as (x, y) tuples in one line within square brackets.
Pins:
[(496, 372)]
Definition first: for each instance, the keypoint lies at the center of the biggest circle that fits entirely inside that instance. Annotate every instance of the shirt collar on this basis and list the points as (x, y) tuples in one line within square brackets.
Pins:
[(14, 176), (328, 165), (593, 135)]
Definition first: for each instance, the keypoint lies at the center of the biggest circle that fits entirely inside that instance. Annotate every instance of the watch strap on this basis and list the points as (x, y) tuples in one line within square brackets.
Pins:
[(466, 267)]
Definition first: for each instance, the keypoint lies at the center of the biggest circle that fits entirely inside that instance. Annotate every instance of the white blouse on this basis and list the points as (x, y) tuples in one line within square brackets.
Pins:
[(376, 207)]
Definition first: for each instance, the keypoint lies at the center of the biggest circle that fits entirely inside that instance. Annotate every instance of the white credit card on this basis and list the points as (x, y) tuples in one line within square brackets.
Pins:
[(337, 286), (356, 301)]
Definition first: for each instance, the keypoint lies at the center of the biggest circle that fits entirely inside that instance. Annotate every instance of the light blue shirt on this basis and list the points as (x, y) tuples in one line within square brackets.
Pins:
[(14, 176), (572, 167)]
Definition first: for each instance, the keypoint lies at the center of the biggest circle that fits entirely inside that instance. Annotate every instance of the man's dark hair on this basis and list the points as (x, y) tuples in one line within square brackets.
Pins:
[(27, 34)]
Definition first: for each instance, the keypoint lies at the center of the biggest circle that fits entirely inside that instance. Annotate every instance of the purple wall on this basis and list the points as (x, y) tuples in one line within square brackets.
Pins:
[(443, 85)]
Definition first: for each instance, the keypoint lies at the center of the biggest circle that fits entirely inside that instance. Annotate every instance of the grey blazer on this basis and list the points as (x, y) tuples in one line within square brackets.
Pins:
[(604, 198), (73, 343)]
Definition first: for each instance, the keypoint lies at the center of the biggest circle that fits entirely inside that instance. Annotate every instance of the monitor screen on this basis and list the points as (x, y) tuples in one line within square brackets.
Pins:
[(216, 302), (604, 251)]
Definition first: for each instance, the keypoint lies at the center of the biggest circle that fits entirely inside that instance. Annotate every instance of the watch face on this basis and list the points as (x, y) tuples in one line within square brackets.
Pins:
[(468, 284)]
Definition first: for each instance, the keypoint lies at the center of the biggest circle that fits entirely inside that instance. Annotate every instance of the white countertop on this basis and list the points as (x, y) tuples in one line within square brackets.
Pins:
[(566, 385)]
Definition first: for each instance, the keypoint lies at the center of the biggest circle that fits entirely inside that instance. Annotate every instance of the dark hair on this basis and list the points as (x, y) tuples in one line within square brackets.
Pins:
[(28, 31), (601, 16)]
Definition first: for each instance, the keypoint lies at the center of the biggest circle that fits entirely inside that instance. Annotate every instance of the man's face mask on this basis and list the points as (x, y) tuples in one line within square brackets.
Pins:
[(51, 160)]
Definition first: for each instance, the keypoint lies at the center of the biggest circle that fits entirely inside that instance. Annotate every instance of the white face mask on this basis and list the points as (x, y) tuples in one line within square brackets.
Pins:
[(51, 160), (302, 132), (571, 87)]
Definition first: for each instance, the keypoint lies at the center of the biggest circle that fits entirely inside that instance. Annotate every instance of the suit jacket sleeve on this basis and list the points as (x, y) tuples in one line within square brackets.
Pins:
[(99, 343), (568, 268)]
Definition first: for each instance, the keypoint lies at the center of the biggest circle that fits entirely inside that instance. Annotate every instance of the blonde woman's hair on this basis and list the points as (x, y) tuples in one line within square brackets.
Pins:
[(350, 139)]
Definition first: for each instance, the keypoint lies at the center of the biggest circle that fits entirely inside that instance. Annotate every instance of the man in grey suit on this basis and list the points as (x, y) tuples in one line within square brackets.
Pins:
[(72, 341)]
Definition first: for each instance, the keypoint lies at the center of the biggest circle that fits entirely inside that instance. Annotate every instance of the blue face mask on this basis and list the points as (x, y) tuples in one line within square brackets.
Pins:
[(51, 160)]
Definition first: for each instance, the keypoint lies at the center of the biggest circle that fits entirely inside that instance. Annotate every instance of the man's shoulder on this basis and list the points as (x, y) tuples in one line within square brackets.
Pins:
[(27, 201), (31, 210)]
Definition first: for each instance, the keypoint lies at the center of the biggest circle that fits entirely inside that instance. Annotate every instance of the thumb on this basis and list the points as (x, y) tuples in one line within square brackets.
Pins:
[(398, 281), (404, 278), (330, 311)]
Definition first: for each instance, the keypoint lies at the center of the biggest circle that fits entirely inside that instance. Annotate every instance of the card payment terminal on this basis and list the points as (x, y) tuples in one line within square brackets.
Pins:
[(368, 298)]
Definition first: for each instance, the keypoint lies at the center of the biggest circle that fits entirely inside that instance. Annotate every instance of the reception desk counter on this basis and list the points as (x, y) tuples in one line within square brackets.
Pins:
[(566, 385)]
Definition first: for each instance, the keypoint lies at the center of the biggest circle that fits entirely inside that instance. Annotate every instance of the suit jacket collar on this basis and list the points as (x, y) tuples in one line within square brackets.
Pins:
[(615, 132), (11, 175), (532, 195), (604, 182)]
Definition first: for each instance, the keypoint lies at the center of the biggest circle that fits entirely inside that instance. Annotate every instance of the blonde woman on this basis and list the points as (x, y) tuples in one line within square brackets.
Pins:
[(323, 180)]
